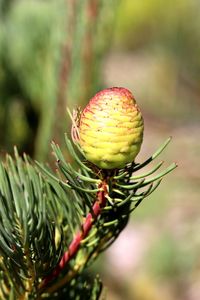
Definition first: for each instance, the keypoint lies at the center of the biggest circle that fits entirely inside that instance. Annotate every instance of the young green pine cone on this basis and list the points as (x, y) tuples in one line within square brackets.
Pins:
[(111, 128)]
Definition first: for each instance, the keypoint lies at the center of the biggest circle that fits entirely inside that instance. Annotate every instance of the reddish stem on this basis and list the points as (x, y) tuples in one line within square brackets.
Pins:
[(76, 242)]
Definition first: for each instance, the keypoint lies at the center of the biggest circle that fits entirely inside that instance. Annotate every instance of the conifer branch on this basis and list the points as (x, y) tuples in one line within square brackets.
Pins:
[(54, 224), (108, 214), (81, 235)]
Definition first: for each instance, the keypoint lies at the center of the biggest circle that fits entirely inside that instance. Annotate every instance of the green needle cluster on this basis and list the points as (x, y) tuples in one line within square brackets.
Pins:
[(54, 224)]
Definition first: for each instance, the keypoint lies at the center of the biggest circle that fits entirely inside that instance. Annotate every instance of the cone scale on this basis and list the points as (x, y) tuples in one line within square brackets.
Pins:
[(111, 128)]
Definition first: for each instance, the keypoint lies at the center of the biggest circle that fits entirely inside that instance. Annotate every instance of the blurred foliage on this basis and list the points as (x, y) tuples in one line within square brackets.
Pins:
[(50, 56), (28, 62), (156, 55), (173, 24), (167, 260), (165, 38)]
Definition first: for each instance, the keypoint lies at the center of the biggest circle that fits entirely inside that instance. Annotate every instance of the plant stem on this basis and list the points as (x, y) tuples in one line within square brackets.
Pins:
[(65, 67), (76, 242)]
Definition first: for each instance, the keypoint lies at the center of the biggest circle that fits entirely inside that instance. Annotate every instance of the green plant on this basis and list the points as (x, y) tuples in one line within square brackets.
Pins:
[(53, 225), (50, 57)]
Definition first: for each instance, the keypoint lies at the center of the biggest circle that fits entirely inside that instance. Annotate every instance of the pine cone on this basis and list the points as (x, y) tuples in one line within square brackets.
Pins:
[(111, 128)]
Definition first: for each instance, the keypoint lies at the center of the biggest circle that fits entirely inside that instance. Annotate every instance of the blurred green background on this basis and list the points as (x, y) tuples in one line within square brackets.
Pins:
[(58, 53)]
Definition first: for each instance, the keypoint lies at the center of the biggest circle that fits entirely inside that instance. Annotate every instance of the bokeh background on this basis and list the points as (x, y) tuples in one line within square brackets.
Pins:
[(58, 53)]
